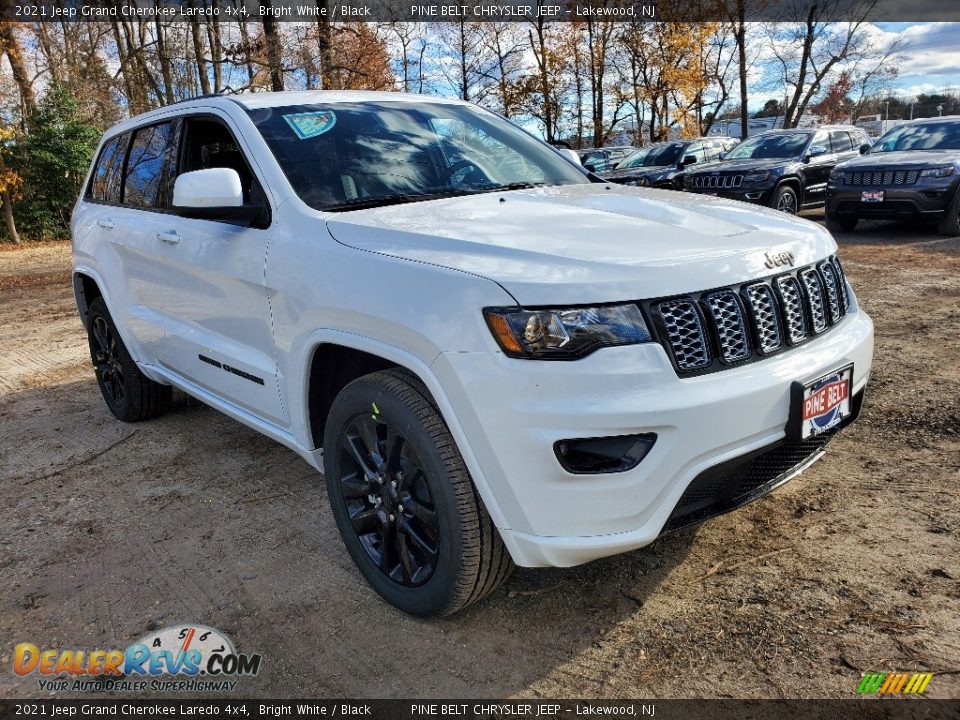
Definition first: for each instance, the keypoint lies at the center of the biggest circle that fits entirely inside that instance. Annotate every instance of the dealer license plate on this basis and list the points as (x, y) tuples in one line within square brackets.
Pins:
[(871, 196), (823, 404)]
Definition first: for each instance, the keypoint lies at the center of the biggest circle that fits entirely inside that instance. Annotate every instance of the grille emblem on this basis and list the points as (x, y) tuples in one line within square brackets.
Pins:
[(779, 259)]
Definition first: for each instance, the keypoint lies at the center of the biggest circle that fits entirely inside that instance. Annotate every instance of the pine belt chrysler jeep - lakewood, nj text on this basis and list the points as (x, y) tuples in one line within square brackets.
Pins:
[(493, 357)]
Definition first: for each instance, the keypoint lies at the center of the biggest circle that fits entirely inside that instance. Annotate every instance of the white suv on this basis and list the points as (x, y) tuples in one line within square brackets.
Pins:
[(494, 356)]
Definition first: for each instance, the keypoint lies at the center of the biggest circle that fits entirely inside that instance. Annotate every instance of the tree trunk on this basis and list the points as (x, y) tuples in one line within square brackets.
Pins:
[(7, 198), (21, 76), (274, 52), (325, 46), (741, 38), (165, 69), (198, 52)]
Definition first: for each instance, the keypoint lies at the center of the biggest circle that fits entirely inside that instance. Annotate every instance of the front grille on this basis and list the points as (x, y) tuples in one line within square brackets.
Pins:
[(736, 482), (716, 182), (714, 329), (688, 341), (881, 177)]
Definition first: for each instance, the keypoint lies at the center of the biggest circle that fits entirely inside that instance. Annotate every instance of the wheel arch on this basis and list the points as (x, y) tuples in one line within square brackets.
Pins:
[(381, 355), (794, 182), (86, 289)]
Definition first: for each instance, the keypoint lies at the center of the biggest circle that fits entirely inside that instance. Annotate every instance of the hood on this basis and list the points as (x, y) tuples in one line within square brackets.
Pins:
[(904, 159), (638, 171), (587, 243), (744, 165)]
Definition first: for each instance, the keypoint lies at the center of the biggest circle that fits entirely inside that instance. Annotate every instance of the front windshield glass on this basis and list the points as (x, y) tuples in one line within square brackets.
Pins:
[(343, 156), (925, 136), (655, 155), (769, 146)]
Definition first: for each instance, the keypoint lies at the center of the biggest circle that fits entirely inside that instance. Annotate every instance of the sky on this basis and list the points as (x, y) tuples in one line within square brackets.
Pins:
[(931, 58)]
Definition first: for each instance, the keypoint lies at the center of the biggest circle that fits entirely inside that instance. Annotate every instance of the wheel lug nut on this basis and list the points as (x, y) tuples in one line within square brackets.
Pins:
[(392, 518)]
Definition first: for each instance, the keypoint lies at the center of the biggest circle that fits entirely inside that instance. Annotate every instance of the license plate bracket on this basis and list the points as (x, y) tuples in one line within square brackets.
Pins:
[(820, 405), (872, 196)]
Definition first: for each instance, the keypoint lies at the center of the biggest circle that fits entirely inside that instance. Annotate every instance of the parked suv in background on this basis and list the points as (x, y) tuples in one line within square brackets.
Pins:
[(600, 160), (492, 358), (783, 169), (661, 165), (911, 173)]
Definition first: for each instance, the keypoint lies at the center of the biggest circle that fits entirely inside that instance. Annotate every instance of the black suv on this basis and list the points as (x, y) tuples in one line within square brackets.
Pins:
[(784, 169), (911, 173), (661, 165)]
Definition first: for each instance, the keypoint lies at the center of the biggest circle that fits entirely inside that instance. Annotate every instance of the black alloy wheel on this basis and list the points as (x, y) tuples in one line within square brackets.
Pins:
[(106, 361), (388, 500)]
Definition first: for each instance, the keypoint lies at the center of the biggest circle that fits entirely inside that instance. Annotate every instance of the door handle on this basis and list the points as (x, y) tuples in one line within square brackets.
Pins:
[(105, 223), (171, 238)]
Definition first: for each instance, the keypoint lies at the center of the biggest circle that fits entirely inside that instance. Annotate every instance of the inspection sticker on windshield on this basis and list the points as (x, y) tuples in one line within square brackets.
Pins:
[(310, 124)]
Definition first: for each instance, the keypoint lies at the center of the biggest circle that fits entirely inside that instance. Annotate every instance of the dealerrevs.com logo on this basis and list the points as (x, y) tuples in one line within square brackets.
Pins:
[(183, 657)]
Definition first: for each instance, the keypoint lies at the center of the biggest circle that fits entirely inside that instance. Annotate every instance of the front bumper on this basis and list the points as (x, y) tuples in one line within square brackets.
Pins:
[(927, 203), (513, 411)]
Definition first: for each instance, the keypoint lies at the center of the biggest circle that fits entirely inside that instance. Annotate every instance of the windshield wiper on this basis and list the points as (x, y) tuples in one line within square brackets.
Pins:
[(393, 199)]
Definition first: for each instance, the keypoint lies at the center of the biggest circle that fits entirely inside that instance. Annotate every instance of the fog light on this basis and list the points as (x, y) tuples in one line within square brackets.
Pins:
[(603, 455)]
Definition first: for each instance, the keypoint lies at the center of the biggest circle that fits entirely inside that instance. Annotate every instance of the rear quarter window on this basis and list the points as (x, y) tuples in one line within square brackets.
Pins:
[(147, 166), (105, 183)]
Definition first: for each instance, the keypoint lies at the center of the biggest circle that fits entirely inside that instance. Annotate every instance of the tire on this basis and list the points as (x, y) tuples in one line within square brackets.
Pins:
[(785, 199), (412, 521), (950, 226), (130, 395), (841, 223)]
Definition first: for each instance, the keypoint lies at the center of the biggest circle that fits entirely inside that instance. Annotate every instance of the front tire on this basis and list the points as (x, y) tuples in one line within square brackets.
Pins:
[(950, 226), (841, 223), (403, 499), (130, 395), (785, 199)]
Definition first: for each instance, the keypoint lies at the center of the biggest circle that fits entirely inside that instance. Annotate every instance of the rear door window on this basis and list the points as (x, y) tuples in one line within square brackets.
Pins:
[(841, 141), (105, 183), (147, 167)]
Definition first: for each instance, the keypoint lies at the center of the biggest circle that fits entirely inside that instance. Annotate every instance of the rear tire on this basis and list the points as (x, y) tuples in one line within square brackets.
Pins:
[(403, 499), (130, 395), (841, 223), (950, 226)]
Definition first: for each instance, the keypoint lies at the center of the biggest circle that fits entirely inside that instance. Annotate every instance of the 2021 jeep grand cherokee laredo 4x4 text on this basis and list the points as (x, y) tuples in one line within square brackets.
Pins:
[(493, 359)]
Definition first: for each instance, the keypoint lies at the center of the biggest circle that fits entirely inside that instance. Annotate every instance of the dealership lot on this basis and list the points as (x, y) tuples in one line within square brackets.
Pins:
[(113, 530)]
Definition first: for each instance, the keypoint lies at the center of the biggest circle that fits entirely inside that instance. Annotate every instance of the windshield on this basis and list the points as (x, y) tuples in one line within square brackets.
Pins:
[(344, 156), (769, 146), (659, 154), (925, 136)]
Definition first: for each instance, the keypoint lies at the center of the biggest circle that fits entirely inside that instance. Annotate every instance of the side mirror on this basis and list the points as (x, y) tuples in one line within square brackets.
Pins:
[(816, 150), (212, 194), (571, 155), (687, 160), (591, 167), (865, 148), (722, 155)]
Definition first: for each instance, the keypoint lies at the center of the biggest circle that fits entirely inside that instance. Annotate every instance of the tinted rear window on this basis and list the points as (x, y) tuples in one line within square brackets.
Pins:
[(105, 185), (146, 165)]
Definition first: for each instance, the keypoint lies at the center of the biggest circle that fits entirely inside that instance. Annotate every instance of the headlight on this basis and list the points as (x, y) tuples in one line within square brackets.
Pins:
[(937, 172), (836, 176), (565, 334), (755, 177)]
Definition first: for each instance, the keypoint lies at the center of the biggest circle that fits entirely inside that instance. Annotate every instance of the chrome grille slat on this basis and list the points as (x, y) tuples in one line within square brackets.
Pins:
[(710, 330), (829, 276), (793, 314), (686, 334), (718, 182), (813, 288), (727, 315), (766, 321)]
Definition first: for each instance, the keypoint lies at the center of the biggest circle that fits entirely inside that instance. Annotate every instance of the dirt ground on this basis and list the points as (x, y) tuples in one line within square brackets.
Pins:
[(110, 530)]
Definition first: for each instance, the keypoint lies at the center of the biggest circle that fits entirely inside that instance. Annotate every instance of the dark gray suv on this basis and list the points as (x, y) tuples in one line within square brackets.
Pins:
[(911, 173)]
